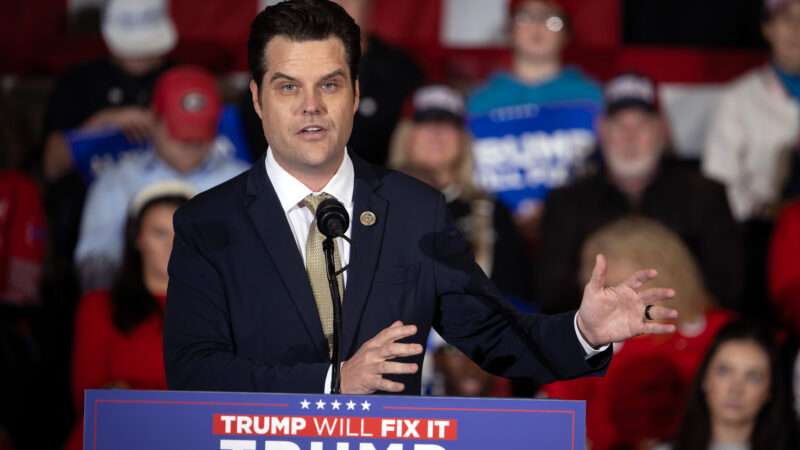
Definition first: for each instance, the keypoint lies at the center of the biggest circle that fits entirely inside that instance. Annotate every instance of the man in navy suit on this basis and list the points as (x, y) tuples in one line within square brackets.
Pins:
[(242, 311)]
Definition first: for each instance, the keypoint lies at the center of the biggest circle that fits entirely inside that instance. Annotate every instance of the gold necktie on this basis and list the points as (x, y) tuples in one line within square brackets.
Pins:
[(315, 266)]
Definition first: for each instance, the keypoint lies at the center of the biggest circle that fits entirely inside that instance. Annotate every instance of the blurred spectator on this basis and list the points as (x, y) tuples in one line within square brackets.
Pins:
[(648, 375), (386, 77), (22, 240), (434, 147), (754, 136), (637, 177), (784, 267), (534, 126), (118, 333), (186, 105), (113, 92), (22, 253), (738, 399), (757, 122)]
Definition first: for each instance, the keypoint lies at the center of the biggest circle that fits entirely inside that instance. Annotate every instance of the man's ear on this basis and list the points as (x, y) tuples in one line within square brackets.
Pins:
[(356, 96), (256, 98)]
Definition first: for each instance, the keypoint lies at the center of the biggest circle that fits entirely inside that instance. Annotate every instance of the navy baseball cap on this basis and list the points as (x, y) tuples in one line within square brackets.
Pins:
[(631, 90)]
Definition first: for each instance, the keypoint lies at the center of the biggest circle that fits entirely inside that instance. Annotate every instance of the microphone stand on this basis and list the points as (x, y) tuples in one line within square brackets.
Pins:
[(333, 284)]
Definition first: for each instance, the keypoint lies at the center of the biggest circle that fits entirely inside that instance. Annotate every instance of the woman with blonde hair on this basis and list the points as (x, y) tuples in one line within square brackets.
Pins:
[(639, 401), (434, 146)]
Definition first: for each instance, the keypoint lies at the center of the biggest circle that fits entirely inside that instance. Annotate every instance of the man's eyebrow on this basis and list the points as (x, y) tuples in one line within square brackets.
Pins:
[(279, 75), (283, 76), (335, 73)]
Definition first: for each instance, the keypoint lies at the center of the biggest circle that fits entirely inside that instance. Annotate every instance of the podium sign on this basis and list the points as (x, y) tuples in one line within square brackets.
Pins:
[(155, 420)]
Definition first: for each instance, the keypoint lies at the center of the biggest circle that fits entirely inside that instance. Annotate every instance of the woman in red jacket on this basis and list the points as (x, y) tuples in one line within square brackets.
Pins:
[(118, 333)]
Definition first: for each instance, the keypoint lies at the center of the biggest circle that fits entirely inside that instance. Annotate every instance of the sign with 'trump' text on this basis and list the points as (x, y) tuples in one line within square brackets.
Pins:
[(154, 420)]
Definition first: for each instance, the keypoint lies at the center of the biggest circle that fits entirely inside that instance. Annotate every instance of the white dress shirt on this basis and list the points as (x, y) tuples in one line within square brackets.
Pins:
[(291, 193)]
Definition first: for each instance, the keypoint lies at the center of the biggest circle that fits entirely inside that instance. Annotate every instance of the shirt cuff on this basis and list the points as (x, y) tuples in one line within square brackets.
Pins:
[(587, 348), (328, 376)]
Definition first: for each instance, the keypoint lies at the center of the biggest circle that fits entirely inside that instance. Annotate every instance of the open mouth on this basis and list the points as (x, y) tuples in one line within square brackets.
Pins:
[(312, 131)]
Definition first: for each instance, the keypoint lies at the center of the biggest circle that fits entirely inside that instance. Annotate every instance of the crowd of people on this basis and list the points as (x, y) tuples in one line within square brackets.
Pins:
[(542, 168)]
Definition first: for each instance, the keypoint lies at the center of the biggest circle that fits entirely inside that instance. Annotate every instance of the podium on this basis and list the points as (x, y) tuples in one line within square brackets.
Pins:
[(172, 420)]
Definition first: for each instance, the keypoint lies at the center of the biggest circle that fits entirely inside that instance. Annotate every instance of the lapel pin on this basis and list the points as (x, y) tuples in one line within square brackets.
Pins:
[(368, 218)]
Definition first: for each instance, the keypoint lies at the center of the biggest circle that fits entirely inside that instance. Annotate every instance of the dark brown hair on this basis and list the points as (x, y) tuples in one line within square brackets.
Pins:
[(131, 302), (300, 21), (774, 424)]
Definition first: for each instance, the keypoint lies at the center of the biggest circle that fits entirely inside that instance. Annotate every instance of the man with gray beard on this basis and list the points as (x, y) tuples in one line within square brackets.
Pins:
[(638, 177)]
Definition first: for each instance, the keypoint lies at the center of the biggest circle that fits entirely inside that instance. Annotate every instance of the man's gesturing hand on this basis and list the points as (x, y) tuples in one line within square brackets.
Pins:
[(363, 373), (615, 313)]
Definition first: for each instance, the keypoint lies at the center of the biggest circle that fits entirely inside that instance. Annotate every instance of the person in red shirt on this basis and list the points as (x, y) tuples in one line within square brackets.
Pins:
[(118, 333), (640, 398), (22, 240)]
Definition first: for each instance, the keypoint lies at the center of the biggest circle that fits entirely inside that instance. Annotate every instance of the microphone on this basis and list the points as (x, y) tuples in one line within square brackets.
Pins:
[(332, 218), (333, 221)]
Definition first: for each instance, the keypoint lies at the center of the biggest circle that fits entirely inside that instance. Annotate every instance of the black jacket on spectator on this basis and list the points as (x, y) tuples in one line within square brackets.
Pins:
[(386, 76), (694, 207), (91, 87)]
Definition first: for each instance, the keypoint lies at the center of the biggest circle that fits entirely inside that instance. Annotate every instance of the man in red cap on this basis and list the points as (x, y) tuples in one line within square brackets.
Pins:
[(187, 108)]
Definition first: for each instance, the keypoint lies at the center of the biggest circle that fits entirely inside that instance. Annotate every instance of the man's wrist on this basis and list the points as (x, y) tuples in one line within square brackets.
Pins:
[(582, 333)]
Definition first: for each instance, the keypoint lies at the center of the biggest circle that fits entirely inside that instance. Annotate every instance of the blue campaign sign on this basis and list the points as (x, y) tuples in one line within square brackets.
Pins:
[(154, 420), (523, 151), (94, 151)]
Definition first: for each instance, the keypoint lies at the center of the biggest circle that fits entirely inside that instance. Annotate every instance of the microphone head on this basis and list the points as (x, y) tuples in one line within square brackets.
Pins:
[(332, 218)]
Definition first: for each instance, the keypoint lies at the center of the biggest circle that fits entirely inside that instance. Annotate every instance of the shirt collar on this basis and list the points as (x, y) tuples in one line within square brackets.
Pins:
[(291, 191)]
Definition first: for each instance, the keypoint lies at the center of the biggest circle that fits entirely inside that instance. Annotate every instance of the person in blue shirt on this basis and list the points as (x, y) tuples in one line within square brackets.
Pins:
[(187, 106), (533, 125)]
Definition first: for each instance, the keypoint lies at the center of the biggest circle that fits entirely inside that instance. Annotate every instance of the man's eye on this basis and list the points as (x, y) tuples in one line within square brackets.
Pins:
[(330, 85), (288, 87)]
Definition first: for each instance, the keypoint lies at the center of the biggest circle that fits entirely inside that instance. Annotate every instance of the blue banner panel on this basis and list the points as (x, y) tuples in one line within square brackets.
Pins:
[(523, 152), (94, 151), (155, 420)]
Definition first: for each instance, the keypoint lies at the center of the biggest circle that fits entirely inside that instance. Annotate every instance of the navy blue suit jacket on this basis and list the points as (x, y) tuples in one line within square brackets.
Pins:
[(241, 315)]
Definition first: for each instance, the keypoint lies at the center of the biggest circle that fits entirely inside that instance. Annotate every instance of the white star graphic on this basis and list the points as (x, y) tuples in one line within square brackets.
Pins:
[(320, 404), (304, 404), (351, 405), (365, 405), (335, 404)]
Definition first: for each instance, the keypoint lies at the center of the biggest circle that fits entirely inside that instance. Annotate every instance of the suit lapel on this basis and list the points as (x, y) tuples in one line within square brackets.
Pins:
[(365, 250), (270, 222)]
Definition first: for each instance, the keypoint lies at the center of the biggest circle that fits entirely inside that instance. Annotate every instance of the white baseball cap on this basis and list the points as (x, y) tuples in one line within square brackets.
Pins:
[(138, 28)]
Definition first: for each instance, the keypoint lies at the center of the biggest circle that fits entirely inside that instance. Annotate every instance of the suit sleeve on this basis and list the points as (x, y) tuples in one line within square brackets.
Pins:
[(199, 347), (472, 316)]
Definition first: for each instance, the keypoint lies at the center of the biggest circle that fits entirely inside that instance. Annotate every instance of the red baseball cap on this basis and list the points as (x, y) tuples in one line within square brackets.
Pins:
[(186, 98)]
